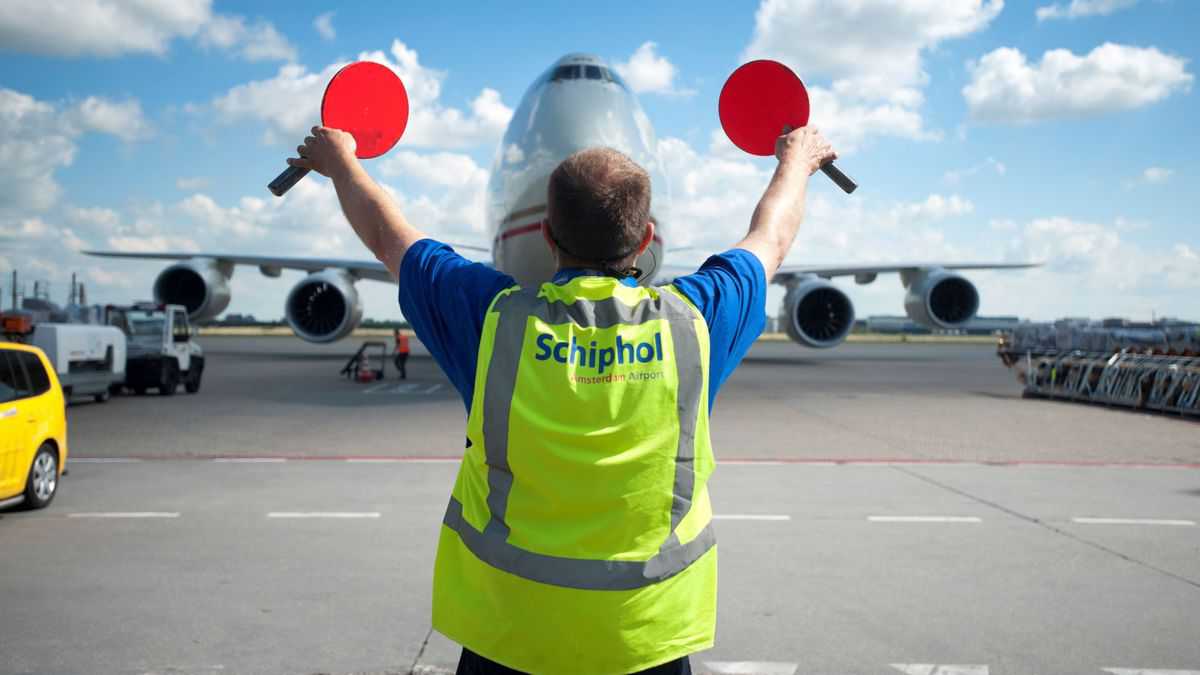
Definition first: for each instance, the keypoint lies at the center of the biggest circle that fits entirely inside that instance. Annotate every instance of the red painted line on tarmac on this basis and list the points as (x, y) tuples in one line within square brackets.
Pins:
[(764, 461)]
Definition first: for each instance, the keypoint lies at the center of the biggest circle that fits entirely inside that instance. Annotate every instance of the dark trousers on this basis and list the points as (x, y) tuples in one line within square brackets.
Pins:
[(401, 359), (473, 664)]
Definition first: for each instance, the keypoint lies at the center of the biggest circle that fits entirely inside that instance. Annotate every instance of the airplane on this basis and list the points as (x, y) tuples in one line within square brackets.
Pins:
[(578, 102)]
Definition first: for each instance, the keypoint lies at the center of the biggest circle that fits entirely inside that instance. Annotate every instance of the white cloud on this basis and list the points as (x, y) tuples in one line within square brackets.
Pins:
[(324, 26), (40, 138), (878, 43), (848, 122), (256, 42), (1005, 88), (445, 169), (874, 64), (123, 119), (1156, 174), (647, 72), (36, 143), (289, 103), (191, 183), (1081, 8), (98, 27), (94, 218), (954, 177), (934, 207), (109, 28)]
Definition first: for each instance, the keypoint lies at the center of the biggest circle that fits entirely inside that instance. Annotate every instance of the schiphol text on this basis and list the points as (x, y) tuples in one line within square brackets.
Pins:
[(598, 358)]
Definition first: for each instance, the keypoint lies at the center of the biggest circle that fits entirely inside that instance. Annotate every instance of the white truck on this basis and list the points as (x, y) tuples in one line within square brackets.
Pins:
[(89, 359), (161, 352)]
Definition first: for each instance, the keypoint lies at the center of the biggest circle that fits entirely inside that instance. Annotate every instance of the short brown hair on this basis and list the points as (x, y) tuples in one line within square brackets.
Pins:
[(598, 204)]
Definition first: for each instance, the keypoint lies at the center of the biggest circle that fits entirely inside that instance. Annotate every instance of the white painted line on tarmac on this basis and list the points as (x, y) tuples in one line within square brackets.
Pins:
[(422, 669), (1149, 671), (375, 460), (102, 460), (1134, 521), (250, 460), (376, 387), (125, 514), (749, 668), (925, 519), (323, 514), (751, 516), (935, 669)]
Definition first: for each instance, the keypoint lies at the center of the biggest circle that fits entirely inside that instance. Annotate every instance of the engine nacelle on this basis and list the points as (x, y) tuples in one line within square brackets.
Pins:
[(199, 284), (817, 314), (324, 306), (939, 299)]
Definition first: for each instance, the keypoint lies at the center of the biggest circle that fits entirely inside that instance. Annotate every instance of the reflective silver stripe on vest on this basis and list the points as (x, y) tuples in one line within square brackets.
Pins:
[(491, 545)]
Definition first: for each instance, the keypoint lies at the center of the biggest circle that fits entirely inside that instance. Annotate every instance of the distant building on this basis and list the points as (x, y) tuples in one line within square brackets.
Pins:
[(980, 325)]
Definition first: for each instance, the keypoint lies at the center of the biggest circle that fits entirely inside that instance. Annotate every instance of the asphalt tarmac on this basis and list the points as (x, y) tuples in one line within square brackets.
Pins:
[(881, 509)]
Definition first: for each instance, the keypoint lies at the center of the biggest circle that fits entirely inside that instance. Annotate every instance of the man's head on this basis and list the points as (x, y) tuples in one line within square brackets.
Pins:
[(598, 209)]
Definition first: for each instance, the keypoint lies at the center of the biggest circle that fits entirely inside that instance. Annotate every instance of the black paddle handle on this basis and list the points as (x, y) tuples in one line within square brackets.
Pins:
[(843, 181), (284, 181)]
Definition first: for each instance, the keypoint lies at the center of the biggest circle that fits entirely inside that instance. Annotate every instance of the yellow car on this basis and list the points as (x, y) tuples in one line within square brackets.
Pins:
[(33, 427)]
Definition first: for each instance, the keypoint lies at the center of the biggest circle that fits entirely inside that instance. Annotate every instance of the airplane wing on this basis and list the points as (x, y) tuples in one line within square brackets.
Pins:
[(270, 265), (865, 274)]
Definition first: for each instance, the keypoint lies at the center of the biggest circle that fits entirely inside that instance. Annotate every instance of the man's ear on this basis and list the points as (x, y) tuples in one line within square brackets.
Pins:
[(646, 238), (545, 229)]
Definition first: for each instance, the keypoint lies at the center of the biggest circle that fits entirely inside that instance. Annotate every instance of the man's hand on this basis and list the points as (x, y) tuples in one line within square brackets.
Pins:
[(329, 152), (776, 219), (804, 147)]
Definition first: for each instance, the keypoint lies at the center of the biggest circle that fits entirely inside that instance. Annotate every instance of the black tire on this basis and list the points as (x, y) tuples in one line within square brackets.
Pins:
[(39, 487), (192, 382), (170, 379), (102, 396)]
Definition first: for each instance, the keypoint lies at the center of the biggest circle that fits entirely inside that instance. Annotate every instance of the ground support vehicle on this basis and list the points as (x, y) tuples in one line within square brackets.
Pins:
[(1154, 367), (161, 352), (88, 359), (33, 427)]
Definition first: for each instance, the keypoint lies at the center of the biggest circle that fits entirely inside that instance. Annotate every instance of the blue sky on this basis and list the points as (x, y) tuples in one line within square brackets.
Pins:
[(979, 131)]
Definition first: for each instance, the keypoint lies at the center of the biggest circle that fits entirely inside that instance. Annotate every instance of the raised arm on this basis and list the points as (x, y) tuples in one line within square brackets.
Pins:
[(777, 218), (372, 213)]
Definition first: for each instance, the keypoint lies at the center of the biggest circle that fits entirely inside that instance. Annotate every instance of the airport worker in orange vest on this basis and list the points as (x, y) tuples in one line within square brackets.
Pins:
[(401, 352)]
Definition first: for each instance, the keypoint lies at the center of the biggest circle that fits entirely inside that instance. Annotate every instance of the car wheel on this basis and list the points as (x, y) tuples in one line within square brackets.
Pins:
[(192, 382), (102, 396), (42, 482), (170, 379)]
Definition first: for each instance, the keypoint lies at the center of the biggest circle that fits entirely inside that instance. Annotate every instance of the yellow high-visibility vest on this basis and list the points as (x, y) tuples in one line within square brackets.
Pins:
[(578, 538)]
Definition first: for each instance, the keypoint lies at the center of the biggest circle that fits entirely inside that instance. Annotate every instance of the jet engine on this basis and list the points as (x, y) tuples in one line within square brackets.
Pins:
[(939, 299), (324, 306), (817, 314), (201, 285)]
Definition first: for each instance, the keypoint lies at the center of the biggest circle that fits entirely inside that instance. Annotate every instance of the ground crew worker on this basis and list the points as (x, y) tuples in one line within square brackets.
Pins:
[(401, 352), (577, 539)]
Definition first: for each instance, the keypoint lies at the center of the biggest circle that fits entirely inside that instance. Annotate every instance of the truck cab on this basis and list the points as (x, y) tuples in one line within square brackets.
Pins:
[(161, 352)]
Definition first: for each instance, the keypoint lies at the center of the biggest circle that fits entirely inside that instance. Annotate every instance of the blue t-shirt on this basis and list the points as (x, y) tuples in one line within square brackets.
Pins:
[(445, 297)]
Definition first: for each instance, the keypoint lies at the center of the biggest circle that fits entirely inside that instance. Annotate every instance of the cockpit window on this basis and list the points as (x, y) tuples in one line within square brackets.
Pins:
[(576, 71), (612, 76), (565, 73)]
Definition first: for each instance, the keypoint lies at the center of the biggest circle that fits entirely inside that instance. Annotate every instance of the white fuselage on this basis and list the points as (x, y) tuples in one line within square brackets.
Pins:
[(579, 102)]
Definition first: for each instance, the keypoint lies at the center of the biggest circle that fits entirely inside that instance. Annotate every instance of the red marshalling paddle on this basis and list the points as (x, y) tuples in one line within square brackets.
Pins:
[(365, 99), (757, 101)]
